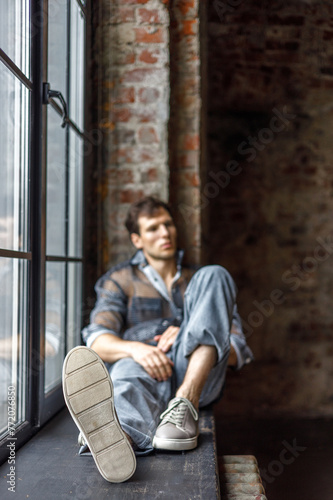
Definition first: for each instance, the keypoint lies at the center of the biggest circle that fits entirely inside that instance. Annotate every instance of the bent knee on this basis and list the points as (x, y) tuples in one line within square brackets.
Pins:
[(213, 275), (213, 270)]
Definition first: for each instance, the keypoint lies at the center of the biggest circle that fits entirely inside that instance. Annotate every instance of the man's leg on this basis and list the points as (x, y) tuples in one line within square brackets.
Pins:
[(139, 400), (200, 364), (200, 354), (210, 300)]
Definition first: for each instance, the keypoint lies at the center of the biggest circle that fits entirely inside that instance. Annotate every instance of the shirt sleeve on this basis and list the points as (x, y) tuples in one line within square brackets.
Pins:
[(109, 313), (238, 341)]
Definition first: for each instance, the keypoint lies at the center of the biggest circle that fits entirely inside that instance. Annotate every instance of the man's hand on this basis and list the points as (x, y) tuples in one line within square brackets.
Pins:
[(153, 360), (232, 360), (166, 340)]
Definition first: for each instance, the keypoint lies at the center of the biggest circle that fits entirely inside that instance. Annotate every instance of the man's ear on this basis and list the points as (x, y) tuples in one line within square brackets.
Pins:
[(136, 240)]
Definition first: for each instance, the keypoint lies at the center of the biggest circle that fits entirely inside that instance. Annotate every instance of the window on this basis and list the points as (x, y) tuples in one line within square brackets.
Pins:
[(41, 204)]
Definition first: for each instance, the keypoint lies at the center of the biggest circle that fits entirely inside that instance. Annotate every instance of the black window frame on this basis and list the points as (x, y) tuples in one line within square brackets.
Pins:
[(40, 407)]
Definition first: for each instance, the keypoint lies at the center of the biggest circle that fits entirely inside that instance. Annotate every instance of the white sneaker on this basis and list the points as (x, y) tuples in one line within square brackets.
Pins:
[(88, 393)]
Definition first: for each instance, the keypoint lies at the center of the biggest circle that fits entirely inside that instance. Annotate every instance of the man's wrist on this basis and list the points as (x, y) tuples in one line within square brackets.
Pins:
[(130, 346)]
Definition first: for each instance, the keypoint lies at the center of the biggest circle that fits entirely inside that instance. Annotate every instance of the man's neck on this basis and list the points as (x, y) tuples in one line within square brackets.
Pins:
[(167, 269)]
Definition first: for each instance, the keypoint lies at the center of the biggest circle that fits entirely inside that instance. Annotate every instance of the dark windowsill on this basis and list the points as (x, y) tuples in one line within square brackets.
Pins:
[(48, 466)]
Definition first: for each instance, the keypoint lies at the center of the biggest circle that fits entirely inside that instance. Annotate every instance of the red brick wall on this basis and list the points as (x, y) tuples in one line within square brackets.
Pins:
[(269, 191), (130, 56), (148, 109)]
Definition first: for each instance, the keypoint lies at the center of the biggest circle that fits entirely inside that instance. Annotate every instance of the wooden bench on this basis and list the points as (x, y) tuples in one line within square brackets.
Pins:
[(49, 467)]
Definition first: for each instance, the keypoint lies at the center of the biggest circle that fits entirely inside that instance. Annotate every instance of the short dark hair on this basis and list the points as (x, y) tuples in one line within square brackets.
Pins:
[(145, 206)]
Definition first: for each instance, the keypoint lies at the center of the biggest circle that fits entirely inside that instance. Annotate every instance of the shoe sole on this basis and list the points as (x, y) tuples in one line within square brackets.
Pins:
[(88, 393), (175, 444)]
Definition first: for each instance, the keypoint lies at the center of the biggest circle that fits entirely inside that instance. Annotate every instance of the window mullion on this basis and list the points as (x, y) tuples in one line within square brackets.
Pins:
[(37, 210), (68, 62)]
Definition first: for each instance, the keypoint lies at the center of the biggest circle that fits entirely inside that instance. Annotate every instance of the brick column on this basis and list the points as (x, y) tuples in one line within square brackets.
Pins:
[(150, 116), (132, 79), (185, 138)]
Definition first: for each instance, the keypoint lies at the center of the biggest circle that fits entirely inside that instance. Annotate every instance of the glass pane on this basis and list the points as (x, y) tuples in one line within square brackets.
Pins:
[(56, 185), (15, 32), (77, 26), (75, 194), (57, 46), (74, 305), (54, 323), (14, 138), (13, 313)]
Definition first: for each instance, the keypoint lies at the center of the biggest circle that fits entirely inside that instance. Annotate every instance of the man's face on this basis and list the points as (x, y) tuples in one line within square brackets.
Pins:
[(158, 235)]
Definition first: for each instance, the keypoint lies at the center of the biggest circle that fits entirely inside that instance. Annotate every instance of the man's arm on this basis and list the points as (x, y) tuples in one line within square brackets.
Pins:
[(232, 360), (166, 340), (242, 353), (107, 319), (111, 348)]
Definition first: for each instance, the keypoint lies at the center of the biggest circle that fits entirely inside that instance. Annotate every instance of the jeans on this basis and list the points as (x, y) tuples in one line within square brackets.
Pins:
[(210, 300)]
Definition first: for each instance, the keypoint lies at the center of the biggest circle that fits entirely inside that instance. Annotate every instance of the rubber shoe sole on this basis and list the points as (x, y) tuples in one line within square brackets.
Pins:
[(88, 393), (175, 444)]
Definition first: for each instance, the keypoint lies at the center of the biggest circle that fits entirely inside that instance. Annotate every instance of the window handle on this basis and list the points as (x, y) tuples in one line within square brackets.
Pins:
[(55, 94)]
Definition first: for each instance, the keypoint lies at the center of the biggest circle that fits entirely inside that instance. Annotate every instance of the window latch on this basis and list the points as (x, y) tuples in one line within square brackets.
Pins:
[(56, 94)]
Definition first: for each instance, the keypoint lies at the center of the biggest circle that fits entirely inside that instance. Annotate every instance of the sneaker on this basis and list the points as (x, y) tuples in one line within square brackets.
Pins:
[(88, 393), (179, 428)]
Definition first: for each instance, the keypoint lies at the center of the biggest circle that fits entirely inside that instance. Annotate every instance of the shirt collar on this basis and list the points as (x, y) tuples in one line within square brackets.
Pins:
[(140, 260)]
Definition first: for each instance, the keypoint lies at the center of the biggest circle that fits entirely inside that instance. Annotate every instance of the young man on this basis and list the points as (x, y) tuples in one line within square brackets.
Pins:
[(165, 334)]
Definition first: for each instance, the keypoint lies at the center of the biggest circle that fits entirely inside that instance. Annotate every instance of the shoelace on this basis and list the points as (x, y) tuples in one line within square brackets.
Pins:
[(176, 411)]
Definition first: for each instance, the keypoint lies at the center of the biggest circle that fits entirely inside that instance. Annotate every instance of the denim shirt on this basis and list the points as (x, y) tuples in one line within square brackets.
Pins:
[(133, 302)]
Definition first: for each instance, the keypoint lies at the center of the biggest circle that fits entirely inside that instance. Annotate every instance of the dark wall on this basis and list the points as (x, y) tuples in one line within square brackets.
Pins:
[(269, 188)]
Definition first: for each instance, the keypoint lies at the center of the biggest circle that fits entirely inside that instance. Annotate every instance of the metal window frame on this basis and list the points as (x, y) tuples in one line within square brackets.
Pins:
[(40, 407), (15, 70), (28, 427)]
